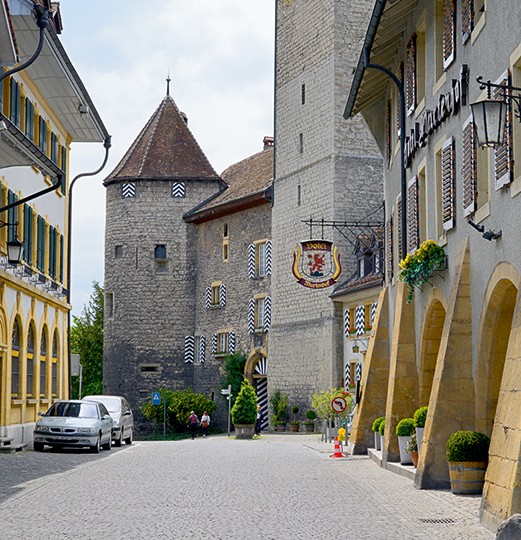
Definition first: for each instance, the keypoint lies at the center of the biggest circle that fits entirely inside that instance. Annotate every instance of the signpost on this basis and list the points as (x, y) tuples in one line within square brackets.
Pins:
[(228, 392), (338, 404), (156, 400)]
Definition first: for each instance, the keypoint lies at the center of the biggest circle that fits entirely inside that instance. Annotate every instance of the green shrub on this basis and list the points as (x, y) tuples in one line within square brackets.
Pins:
[(420, 416), (467, 446), (244, 410), (233, 369), (405, 427), (321, 403), (279, 407), (377, 422), (311, 415), (381, 429)]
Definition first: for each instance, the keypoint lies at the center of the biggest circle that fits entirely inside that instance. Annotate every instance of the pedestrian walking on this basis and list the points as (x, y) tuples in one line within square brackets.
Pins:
[(258, 422), (205, 423), (193, 422)]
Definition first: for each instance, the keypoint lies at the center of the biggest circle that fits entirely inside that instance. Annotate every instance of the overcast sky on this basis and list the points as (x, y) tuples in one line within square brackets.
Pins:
[(219, 54)]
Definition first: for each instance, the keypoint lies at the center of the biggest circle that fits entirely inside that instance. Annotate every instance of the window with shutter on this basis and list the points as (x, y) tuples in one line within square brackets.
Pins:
[(251, 315), (467, 19), (449, 33), (389, 248), (410, 75), (189, 349), (28, 234), (469, 168), (388, 133), (40, 244), (399, 232), (447, 184), (14, 103), (267, 313), (401, 75), (503, 158), (413, 222), (62, 255)]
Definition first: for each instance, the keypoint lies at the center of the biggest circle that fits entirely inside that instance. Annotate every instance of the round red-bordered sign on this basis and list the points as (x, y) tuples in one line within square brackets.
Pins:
[(338, 404)]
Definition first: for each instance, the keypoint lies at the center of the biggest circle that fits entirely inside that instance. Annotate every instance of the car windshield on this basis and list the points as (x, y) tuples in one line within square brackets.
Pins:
[(112, 404), (73, 409)]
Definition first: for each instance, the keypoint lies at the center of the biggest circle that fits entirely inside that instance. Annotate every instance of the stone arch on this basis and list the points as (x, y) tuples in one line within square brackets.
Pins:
[(256, 371), (430, 339), (495, 325), (3, 366)]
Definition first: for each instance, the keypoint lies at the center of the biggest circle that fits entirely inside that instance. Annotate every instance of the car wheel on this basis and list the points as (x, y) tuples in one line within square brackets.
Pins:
[(108, 444), (119, 440), (38, 447), (95, 449), (128, 440)]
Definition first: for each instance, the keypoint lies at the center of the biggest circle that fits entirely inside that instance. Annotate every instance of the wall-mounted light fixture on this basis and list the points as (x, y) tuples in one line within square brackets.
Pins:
[(15, 248), (488, 235), (489, 115), (360, 341)]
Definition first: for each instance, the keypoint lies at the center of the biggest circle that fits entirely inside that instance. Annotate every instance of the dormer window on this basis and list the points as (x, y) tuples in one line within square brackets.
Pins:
[(160, 251)]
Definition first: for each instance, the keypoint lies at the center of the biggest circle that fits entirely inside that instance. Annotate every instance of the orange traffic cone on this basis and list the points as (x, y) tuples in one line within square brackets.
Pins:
[(338, 452)]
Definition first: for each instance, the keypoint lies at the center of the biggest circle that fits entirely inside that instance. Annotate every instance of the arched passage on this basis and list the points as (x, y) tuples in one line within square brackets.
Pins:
[(432, 328), (494, 333), (256, 371)]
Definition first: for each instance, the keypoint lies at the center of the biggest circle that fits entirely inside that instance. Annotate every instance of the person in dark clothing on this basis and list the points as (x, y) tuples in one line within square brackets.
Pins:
[(258, 422), (193, 422)]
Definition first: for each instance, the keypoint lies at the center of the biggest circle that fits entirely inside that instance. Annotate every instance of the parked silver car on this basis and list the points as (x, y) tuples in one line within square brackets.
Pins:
[(74, 423), (122, 416)]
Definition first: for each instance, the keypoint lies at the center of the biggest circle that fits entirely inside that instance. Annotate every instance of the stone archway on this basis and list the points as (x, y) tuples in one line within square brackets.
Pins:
[(256, 371), (432, 329)]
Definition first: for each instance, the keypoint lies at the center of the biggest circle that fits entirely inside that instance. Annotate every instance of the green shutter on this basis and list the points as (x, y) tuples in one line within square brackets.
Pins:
[(28, 234), (52, 252), (12, 216), (63, 187), (40, 245), (61, 258)]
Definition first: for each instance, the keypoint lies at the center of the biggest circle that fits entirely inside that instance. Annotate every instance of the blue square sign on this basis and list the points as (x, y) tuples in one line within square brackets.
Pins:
[(156, 398)]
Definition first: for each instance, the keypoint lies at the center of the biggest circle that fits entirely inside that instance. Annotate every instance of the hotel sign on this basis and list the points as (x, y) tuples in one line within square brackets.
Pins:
[(316, 264)]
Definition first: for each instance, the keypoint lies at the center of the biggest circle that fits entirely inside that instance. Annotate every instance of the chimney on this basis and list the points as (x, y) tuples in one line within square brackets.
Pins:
[(268, 142)]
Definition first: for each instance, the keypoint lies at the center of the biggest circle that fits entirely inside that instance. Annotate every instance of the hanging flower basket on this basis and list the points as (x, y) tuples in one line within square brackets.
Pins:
[(418, 268)]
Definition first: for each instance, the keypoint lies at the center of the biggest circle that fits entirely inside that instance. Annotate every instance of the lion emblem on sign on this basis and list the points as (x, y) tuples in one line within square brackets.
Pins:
[(316, 264)]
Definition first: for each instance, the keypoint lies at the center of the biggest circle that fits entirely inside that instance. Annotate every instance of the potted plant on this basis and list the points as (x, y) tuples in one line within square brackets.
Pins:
[(412, 449), (279, 405), (311, 416), (381, 430), (404, 430), (244, 411), (467, 455), (420, 416), (295, 425), (376, 430)]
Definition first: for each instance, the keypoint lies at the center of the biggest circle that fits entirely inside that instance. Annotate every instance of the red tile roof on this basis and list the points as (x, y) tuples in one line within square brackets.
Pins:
[(165, 149)]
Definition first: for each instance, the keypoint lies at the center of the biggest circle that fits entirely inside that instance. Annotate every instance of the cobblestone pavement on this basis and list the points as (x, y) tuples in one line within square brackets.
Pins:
[(276, 487)]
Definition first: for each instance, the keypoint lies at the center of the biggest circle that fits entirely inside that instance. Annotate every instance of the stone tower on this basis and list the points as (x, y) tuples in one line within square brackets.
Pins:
[(325, 167), (150, 258)]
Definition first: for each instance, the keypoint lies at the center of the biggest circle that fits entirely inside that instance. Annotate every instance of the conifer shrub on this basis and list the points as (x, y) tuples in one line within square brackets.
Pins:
[(244, 410)]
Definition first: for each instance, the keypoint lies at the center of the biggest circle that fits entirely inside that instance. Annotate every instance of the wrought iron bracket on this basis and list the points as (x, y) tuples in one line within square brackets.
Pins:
[(506, 91)]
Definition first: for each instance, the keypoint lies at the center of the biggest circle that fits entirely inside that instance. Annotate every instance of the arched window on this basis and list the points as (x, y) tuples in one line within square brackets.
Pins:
[(15, 360), (43, 364), (54, 367), (30, 362)]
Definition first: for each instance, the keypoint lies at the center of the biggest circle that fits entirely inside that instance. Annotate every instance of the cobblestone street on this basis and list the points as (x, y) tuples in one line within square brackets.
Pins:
[(276, 487)]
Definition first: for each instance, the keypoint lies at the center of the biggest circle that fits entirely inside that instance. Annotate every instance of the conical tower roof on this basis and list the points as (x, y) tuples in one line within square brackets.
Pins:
[(164, 150)]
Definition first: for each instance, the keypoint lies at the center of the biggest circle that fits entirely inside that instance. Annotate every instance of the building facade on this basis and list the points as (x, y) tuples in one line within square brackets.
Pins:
[(455, 345), (39, 119)]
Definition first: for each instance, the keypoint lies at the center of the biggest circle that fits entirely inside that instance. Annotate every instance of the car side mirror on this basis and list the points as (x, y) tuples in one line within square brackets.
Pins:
[(127, 413), (107, 417), (41, 414)]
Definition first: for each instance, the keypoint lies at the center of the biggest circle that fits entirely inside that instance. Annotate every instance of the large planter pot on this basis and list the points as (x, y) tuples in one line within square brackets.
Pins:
[(295, 428), (467, 477), (414, 456), (281, 427), (419, 437), (405, 457), (310, 428), (244, 431), (377, 441)]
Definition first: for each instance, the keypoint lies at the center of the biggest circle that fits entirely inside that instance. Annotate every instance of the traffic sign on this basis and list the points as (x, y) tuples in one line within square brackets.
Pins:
[(338, 404), (156, 398), (225, 392)]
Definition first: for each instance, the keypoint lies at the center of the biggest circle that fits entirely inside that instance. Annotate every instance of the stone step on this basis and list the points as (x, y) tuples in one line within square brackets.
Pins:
[(12, 448), (5, 441)]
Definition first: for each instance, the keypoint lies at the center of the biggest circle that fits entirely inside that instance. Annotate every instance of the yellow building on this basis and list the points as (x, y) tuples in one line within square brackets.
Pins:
[(44, 109)]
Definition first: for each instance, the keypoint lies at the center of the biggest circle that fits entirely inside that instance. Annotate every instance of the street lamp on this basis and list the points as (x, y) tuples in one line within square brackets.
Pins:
[(489, 115), (15, 250)]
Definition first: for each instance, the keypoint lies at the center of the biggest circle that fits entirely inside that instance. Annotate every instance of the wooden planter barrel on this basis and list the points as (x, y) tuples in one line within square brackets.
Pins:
[(467, 477)]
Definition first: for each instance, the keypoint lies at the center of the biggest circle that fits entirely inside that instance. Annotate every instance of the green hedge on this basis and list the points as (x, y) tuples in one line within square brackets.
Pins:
[(467, 446), (405, 427)]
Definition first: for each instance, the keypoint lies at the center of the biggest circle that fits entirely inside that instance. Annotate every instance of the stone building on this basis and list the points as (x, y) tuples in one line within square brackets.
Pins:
[(455, 346), (43, 109), (191, 249)]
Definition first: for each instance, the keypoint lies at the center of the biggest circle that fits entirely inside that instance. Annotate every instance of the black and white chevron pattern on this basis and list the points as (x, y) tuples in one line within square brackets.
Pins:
[(222, 295), (178, 189), (347, 322), (261, 367), (128, 190), (202, 349), (374, 307), (358, 371), (251, 261), (208, 298), (347, 375), (262, 399), (267, 313), (269, 258), (231, 342), (214, 344), (360, 320), (251, 315), (189, 349)]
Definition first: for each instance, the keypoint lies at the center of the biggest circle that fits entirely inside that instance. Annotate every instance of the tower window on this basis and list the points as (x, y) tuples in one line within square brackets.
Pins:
[(118, 252), (301, 142), (303, 94), (160, 251)]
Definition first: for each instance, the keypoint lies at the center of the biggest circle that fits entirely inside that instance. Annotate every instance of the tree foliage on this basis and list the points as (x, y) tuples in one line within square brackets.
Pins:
[(87, 341), (321, 402), (278, 407), (233, 372), (244, 410), (179, 404)]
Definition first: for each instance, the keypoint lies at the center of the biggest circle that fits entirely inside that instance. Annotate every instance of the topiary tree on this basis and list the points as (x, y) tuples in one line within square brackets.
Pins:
[(244, 410), (278, 406), (405, 427), (377, 422), (467, 446), (420, 416)]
